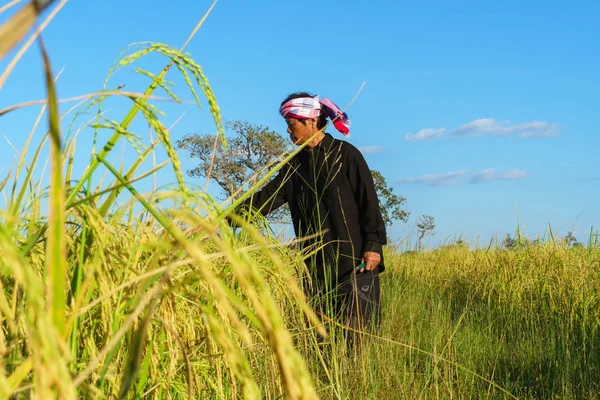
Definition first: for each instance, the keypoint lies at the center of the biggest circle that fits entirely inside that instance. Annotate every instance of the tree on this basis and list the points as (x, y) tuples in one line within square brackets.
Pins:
[(389, 203), (520, 241), (508, 242), (250, 150), (571, 241), (425, 226)]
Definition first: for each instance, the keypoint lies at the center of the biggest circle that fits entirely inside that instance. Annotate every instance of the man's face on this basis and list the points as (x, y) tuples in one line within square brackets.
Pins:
[(301, 131)]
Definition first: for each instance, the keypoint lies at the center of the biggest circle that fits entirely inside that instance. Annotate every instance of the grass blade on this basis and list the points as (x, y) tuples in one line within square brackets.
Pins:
[(15, 29), (136, 350), (130, 117), (56, 260), (4, 181), (20, 374)]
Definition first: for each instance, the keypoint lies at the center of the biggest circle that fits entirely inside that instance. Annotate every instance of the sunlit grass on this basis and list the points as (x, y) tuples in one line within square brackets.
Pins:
[(120, 300), (155, 296)]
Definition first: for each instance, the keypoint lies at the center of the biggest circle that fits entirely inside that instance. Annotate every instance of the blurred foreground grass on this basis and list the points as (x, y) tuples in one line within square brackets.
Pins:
[(108, 299)]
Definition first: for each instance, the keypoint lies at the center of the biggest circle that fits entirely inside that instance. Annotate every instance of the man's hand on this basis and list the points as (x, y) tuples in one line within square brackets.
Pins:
[(371, 259)]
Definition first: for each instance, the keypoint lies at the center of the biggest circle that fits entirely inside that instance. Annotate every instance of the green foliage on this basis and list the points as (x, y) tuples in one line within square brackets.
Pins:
[(509, 242), (251, 150), (99, 304), (521, 241), (571, 241), (132, 303), (390, 203)]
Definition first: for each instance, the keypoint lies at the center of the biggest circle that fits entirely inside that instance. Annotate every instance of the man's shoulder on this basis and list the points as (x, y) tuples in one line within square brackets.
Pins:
[(346, 147)]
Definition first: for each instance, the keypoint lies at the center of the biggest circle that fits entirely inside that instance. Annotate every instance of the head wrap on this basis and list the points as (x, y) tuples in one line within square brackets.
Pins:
[(311, 107)]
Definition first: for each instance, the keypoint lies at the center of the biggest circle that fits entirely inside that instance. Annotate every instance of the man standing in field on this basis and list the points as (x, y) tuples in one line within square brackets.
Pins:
[(330, 192)]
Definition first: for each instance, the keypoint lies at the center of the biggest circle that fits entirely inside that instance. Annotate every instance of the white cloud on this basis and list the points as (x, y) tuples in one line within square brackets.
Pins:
[(457, 177), (448, 178), (489, 126), (490, 174), (425, 134), (370, 149), (539, 129)]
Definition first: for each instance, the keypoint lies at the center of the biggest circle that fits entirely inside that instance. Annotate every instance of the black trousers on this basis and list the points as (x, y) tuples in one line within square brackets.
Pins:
[(355, 302), (359, 301)]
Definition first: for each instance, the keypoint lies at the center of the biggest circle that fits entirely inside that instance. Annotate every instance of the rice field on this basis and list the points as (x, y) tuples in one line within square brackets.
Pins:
[(108, 292)]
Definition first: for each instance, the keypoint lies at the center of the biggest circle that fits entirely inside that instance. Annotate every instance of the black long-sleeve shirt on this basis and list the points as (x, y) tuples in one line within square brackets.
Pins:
[(330, 191)]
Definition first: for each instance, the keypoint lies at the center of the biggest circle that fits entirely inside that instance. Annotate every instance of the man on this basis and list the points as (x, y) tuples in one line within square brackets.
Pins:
[(329, 190)]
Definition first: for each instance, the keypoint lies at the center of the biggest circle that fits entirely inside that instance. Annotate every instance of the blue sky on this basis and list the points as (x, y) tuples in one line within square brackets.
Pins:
[(478, 113)]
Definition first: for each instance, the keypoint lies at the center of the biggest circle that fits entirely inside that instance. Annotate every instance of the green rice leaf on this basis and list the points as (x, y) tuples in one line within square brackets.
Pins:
[(56, 259)]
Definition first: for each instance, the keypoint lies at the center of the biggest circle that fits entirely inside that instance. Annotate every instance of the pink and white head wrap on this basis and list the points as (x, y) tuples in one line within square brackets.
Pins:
[(311, 107)]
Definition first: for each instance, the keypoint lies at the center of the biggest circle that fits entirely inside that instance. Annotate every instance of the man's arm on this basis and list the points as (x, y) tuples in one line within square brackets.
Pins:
[(270, 197), (371, 221)]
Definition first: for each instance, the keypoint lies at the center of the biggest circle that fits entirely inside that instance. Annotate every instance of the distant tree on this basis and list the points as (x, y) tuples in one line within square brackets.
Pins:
[(519, 242), (509, 242), (461, 244), (250, 150), (425, 226), (389, 202), (571, 241), (457, 244)]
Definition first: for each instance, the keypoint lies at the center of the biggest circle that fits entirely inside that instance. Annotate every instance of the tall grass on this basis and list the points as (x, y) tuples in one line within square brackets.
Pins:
[(492, 323), (154, 296), (109, 300)]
